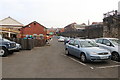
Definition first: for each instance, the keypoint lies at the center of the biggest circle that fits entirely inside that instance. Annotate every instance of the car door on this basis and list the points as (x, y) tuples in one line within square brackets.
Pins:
[(107, 45), (76, 48), (100, 43), (71, 47)]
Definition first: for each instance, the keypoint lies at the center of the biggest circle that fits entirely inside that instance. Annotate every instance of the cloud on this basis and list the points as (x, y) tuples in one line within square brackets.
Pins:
[(56, 13)]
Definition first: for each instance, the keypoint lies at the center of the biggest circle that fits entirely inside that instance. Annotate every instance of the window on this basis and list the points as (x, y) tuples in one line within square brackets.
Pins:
[(115, 41), (106, 42), (87, 44), (76, 43), (71, 42), (99, 41)]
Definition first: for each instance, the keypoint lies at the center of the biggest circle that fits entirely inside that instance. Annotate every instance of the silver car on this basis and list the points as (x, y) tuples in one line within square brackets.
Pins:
[(86, 50), (111, 44)]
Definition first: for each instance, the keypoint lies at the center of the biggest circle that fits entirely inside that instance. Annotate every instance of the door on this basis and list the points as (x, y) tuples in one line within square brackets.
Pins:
[(107, 45), (71, 47), (76, 48)]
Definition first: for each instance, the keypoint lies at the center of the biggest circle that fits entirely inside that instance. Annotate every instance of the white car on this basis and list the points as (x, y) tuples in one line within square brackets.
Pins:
[(111, 44), (61, 39)]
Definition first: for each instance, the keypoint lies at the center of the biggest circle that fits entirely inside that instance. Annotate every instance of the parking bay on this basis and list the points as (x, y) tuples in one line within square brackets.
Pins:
[(95, 64)]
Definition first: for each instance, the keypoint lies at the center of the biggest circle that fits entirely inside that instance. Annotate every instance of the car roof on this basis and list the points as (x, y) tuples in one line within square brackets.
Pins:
[(81, 39), (107, 38)]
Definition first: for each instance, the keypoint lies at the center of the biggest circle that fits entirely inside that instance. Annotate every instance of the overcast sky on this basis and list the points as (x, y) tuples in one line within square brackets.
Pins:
[(56, 13)]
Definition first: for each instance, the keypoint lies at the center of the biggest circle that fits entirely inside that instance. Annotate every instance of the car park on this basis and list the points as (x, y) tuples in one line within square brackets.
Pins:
[(111, 44), (6, 47), (86, 50)]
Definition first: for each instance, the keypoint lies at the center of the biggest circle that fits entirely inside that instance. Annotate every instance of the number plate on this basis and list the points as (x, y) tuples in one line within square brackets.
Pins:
[(105, 57)]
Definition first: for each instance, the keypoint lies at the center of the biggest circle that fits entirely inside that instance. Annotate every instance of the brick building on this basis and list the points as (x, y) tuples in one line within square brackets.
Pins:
[(35, 29)]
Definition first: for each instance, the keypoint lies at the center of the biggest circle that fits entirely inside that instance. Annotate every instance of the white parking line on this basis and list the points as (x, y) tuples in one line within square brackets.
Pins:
[(91, 67), (63, 54), (77, 61), (108, 66), (103, 67), (74, 59)]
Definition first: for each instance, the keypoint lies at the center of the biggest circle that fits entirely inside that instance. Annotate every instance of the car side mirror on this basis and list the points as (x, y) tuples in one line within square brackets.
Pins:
[(108, 44)]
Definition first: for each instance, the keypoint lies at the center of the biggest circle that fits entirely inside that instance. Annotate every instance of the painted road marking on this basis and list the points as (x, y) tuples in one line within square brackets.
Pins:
[(91, 67), (77, 61), (63, 54), (108, 66), (74, 59), (103, 67)]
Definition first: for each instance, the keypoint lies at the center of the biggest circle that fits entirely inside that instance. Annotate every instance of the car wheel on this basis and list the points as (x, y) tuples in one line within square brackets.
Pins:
[(3, 52), (83, 58), (66, 52), (115, 56)]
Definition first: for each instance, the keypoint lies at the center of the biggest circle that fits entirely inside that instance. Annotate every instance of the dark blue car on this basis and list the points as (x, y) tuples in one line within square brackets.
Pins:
[(6, 47)]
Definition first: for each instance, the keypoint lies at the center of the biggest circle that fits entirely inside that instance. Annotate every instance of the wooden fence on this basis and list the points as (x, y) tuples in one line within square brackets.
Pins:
[(28, 44)]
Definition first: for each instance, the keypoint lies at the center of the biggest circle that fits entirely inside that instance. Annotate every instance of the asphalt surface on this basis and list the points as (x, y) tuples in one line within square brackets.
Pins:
[(51, 62)]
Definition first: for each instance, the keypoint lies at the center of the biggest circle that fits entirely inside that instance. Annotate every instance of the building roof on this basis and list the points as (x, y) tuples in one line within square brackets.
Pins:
[(97, 22), (79, 26), (34, 22), (10, 22)]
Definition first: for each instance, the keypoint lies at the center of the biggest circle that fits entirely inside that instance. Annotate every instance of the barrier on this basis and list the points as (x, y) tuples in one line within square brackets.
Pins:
[(28, 44)]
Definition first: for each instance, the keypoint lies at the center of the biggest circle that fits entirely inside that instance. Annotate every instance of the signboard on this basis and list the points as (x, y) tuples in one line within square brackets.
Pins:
[(9, 30)]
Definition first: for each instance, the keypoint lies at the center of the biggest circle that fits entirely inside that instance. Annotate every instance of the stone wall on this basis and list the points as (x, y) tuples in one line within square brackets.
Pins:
[(92, 31), (111, 26)]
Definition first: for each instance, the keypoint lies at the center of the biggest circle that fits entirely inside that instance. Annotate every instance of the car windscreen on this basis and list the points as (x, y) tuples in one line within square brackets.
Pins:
[(6, 40), (115, 41), (88, 44)]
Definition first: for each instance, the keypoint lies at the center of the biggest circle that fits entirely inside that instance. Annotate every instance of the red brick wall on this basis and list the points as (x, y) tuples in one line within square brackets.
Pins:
[(35, 28)]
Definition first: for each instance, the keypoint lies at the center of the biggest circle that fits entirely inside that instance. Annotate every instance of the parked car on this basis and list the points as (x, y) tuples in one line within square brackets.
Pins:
[(92, 40), (6, 47), (18, 46), (111, 44), (66, 40), (86, 50), (61, 39)]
